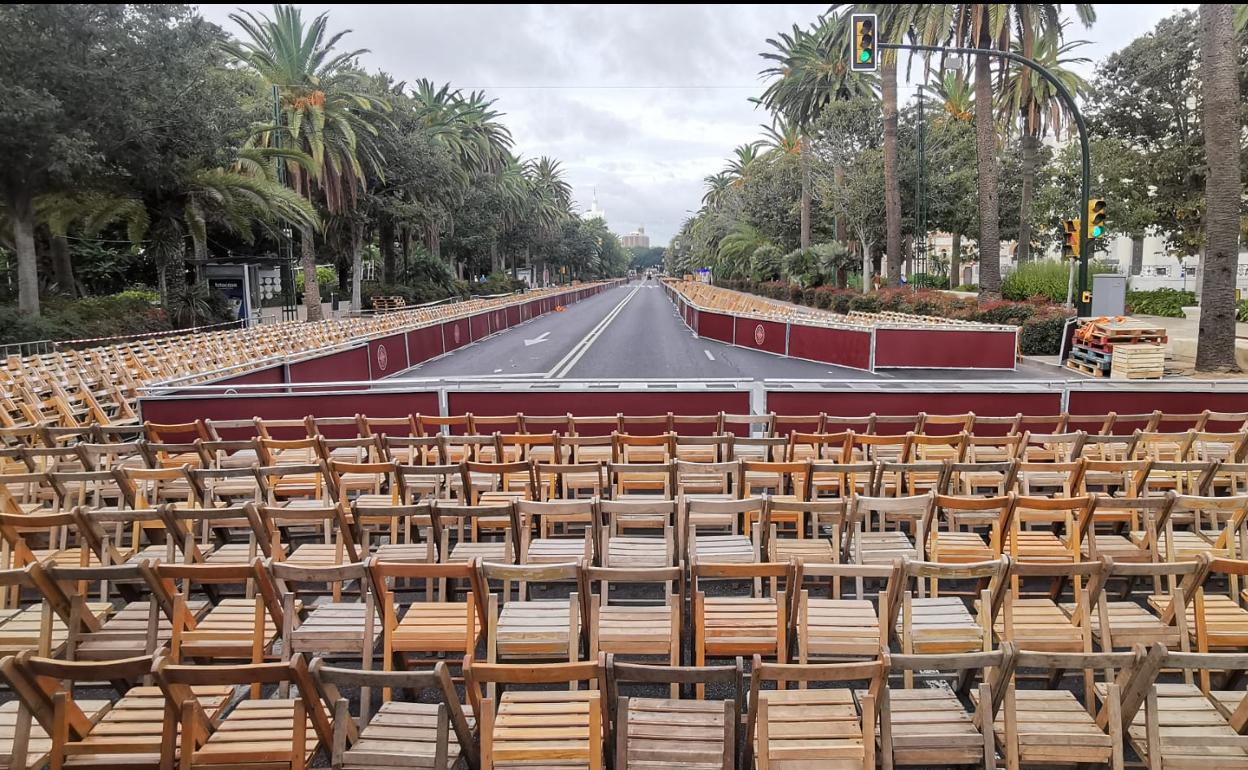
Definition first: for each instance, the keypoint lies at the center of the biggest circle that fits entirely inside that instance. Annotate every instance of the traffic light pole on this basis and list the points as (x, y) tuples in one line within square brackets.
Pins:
[(1085, 184)]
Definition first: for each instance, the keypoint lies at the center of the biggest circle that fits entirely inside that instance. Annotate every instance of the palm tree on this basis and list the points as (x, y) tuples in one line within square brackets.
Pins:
[(993, 26), (957, 97), (743, 161), (1040, 110), (718, 187), (1219, 77), (323, 111)]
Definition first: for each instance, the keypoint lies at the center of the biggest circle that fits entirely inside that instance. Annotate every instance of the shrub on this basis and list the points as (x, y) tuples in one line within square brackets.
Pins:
[(1161, 302), (500, 283), (1042, 335), (1046, 278), (766, 262), (1241, 310), (326, 279), (929, 281), (117, 315), (967, 287)]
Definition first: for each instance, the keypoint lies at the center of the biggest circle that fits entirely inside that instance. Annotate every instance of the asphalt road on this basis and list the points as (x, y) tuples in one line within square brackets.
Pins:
[(634, 332)]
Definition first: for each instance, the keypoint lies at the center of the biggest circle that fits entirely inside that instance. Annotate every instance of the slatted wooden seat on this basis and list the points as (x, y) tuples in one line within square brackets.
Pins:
[(1216, 524), (839, 628), (614, 522), (532, 629), (707, 478), (571, 480), (128, 734), (226, 536), (437, 626), (1124, 623), (824, 515), (784, 481), (928, 726), (757, 623), (824, 727), (547, 517), (1105, 535), (979, 478), (959, 542), (1070, 515), (234, 628), (257, 732), (1049, 727), (682, 734), (548, 729), (401, 733), (641, 626)]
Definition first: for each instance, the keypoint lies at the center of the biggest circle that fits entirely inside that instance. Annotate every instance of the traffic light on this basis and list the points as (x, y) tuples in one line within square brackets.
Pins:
[(1096, 218), (1070, 247), (865, 56)]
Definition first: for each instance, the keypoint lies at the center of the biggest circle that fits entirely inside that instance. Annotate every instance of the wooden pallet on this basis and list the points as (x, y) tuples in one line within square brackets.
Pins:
[(1138, 362), (1079, 366), (1104, 333), (384, 304), (1090, 356)]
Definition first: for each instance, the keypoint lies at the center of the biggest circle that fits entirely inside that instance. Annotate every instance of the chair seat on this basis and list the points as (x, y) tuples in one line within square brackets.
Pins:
[(942, 625), (1129, 624), (39, 744), (136, 721), (1226, 623), (256, 731), (1120, 548), (232, 553), (465, 552), (228, 632), (810, 728), (404, 552), (1035, 546), (1039, 625), (685, 734), (543, 730), (883, 548), (838, 628), (334, 627), (931, 727), (1183, 712), (546, 629), (1188, 545), (402, 735), (1050, 725), (558, 550), (960, 548), (317, 555), (437, 627), (628, 552), (21, 631), (811, 550), (724, 549), (637, 630), (740, 626)]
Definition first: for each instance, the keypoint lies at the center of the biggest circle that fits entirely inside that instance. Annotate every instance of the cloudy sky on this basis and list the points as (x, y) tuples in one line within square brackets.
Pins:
[(638, 102)]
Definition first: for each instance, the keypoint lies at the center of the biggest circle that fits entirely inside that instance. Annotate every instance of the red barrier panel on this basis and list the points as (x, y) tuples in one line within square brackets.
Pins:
[(945, 349), (344, 366), (761, 335), (270, 374), (515, 314), (288, 407), (388, 355), (478, 326), (844, 347), (598, 403), (715, 326), (455, 334), (854, 403), (424, 344), (1144, 401)]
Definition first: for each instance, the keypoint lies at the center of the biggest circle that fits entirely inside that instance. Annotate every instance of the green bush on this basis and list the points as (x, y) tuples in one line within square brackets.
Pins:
[(967, 287), (1042, 334), (1046, 278), (1161, 302), (766, 262), (1241, 310), (929, 281), (128, 313), (500, 283), (326, 279)]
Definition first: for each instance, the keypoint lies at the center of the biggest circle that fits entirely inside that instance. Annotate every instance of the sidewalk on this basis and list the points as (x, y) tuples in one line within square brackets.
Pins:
[(1183, 334)]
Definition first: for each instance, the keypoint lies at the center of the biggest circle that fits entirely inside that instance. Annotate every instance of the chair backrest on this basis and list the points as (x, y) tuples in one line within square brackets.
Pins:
[(443, 513), (41, 683), (834, 447), (997, 667)]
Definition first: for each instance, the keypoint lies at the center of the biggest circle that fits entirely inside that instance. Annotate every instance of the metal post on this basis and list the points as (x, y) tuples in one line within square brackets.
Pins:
[(1068, 99), (289, 312)]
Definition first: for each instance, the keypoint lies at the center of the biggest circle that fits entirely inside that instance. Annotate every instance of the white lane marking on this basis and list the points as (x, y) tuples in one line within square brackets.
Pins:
[(539, 338), (561, 369), (708, 354), (496, 371)]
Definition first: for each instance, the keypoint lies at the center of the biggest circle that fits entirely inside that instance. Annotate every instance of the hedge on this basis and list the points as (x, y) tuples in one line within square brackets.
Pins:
[(1041, 322), (127, 313)]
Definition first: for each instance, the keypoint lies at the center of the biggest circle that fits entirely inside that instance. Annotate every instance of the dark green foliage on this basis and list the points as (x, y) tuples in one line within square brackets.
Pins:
[(127, 313), (1168, 303)]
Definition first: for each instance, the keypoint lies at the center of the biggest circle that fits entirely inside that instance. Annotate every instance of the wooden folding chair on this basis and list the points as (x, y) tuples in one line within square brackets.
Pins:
[(69, 730), (635, 626), (1063, 521), (548, 516), (401, 733), (529, 629), (233, 628), (881, 546), (708, 479), (1126, 528), (569, 481), (839, 480), (669, 732), (960, 542), (277, 732), (928, 725), (839, 628), (699, 515), (326, 535), (330, 628), (464, 518), (550, 728), (816, 727), (757, 623), (1217, 525), (824, 516), (654, 480)]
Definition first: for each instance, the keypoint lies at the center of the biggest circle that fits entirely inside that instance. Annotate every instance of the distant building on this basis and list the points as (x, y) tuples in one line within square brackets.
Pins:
[(595, 212), (638, 238)]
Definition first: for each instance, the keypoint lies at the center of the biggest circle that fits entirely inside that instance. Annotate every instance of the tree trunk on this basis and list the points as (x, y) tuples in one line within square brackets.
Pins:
[(892, 188), (1137, 254), (433, 241), (357, 264), (311, 289), (1219, 76), (22, 212), (385, 236), (1030, 146), (805, 224), (986, 163), (838, 180), (63, 266), (955, 262)]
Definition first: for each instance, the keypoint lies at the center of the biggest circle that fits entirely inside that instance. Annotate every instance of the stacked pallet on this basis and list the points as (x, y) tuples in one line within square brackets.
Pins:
[(1097, 343), (385, 304), (1145, 361)]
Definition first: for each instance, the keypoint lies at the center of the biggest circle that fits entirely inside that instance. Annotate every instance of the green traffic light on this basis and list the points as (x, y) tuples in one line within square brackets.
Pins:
[(865, 56), (1097, 231)]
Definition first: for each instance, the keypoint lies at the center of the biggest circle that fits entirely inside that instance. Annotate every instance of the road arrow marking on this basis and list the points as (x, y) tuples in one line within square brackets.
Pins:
[(539, 338)]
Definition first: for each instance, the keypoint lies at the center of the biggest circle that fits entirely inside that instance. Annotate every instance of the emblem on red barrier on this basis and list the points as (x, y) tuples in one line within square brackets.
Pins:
[(383, 358), (455, 333), (760, 334)]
